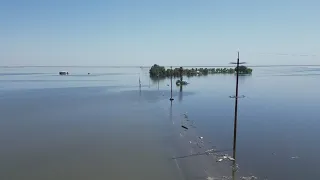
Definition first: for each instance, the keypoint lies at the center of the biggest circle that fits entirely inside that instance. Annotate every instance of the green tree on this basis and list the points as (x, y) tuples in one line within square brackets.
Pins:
[(157, 71), (181, 73), (205, 71), (243, 70)]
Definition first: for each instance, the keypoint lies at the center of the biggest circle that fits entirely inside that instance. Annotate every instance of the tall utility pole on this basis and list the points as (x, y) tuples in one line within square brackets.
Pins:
[(236, 107), (171, 99), (236, 110)]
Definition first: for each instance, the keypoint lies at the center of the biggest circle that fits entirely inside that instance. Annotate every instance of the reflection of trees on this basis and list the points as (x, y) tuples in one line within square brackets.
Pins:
[(156, 79), (181, 73), (243, 77), (180, 93)]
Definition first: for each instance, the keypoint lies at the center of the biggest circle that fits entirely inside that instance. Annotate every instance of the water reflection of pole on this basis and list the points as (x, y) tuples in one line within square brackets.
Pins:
[(234, 170), (171, 99), (180, 93), (139, 87), (181, 79), (171, 112), (181, 74)]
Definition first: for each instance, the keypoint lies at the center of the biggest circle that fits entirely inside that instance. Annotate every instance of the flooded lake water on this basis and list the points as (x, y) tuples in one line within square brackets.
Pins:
[(103, 126)]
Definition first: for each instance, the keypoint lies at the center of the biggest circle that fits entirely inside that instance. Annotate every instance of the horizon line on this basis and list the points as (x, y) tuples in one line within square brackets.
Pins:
[(137, 66)]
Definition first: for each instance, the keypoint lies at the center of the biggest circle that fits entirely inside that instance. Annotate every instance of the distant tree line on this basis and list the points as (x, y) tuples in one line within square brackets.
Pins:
[(157, 71)]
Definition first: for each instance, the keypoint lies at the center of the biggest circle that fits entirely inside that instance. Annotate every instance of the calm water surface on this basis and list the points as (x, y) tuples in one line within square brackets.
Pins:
[(102, 126)]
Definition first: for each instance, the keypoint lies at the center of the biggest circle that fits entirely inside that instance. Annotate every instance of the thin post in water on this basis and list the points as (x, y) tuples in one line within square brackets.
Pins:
[(171, 99)]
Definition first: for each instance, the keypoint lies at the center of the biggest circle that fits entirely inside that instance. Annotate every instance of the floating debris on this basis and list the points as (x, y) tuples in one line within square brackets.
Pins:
[(226, 177), (295, 157), (197, 154), (200, 137), (184, 127), (226, 156), (219, 160), (210, 150), (218, 178), (181, 135), (185, 115), (248, 178)]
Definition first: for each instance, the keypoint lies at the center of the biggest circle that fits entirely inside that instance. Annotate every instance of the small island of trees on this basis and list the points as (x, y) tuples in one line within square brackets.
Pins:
[(157, 71)]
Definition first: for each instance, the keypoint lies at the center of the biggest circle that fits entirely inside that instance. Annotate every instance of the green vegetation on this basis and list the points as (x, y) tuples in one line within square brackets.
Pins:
[(243, 70), (157, 71)]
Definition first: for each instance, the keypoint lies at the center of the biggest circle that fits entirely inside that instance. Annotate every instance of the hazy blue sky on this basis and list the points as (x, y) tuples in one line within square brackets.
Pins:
[(167, 32)]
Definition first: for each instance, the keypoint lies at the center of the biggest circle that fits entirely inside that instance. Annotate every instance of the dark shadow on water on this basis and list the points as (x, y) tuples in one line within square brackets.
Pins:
[(180, 94), (156, 80), (171, 119)]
